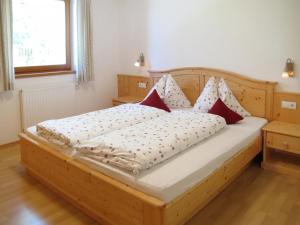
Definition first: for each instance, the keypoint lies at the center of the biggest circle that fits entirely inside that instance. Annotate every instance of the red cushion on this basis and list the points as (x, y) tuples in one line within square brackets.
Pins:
[(155, 101), (219, 108)]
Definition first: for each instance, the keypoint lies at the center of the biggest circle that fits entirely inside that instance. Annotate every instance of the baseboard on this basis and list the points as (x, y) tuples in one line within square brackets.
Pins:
[(9, 144)]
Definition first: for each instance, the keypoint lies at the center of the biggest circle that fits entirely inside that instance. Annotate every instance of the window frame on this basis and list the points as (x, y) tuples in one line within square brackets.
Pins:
[(31, 71)]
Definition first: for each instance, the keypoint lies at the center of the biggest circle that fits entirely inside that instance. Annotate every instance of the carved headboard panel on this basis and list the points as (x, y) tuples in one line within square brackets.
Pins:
[(255, 95)]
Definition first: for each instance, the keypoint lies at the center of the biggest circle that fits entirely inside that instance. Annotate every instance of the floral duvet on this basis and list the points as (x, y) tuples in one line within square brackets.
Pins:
[(74, 130), (146, 144)]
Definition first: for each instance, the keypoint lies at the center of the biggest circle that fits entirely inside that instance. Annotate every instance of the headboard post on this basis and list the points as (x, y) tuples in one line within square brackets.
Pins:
[(270, 91), (256, 96)]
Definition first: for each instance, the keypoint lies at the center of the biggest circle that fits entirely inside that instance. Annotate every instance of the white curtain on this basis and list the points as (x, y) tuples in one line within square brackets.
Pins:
[(83, 41), (7, 75)]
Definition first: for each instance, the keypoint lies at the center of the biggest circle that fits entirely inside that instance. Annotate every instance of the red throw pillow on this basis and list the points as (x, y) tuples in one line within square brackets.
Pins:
[(155, 101), (219, 108)]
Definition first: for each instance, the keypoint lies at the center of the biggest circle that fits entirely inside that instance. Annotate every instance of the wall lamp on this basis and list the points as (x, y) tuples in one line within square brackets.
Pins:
[(140, 62), (289, 69)]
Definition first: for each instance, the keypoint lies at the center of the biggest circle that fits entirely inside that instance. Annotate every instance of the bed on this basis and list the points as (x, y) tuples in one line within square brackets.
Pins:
[(121, 199)]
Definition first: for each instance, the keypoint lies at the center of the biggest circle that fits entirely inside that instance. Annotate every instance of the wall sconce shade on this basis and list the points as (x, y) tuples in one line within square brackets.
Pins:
[(289, 69), (140, 61)]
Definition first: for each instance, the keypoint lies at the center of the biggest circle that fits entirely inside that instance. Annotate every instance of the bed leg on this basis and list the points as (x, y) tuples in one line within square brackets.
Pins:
[(153, 215)]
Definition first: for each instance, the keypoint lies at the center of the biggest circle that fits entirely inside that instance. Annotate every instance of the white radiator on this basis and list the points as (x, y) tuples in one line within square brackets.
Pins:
[(47, 103)]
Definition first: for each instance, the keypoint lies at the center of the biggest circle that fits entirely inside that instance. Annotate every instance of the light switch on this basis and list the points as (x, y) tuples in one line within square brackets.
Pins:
[(288, 105), (142, 85)]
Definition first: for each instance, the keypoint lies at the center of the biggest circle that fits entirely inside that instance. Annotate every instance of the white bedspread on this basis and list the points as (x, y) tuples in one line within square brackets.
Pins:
[(74, 130), (144, 145)]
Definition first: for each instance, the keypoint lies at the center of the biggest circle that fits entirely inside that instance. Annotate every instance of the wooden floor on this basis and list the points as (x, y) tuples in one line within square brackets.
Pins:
[(256, 198)]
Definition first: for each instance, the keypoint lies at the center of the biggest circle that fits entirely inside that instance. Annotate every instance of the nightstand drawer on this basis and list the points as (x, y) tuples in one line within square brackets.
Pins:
[(283, 142)]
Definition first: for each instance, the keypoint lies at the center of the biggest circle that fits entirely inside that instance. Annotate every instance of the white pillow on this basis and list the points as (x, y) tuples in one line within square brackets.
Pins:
[(208, 97), (229, 99), (174, 96), (159, 86)]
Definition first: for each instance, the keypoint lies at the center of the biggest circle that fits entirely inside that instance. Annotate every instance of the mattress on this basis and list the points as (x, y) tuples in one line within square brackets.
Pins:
[(177, 175)]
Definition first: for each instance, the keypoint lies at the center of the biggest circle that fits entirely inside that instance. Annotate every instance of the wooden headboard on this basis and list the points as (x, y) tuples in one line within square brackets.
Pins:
[(256, 96), (286, 115)]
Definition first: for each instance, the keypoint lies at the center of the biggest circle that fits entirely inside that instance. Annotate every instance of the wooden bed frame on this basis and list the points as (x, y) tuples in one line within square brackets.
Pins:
[(111, 202)]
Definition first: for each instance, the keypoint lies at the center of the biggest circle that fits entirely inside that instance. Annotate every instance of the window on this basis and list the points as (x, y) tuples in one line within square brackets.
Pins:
[(41, 36)]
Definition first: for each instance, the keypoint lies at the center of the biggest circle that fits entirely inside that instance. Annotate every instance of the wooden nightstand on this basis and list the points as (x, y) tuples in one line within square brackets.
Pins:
[(126, 99), (282, 148)]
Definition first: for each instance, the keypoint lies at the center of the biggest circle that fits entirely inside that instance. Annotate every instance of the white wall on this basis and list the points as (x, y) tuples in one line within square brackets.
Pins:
[(253, 38), (97, 95)]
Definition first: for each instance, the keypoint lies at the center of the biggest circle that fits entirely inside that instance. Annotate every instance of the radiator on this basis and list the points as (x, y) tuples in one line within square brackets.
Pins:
[(47, 103)]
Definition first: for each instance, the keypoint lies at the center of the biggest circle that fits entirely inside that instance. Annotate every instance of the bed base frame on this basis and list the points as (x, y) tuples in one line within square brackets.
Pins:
[(111, 202)]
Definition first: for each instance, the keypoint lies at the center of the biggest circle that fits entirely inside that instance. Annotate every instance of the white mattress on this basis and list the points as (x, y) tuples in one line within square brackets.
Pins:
[(177, 175)]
